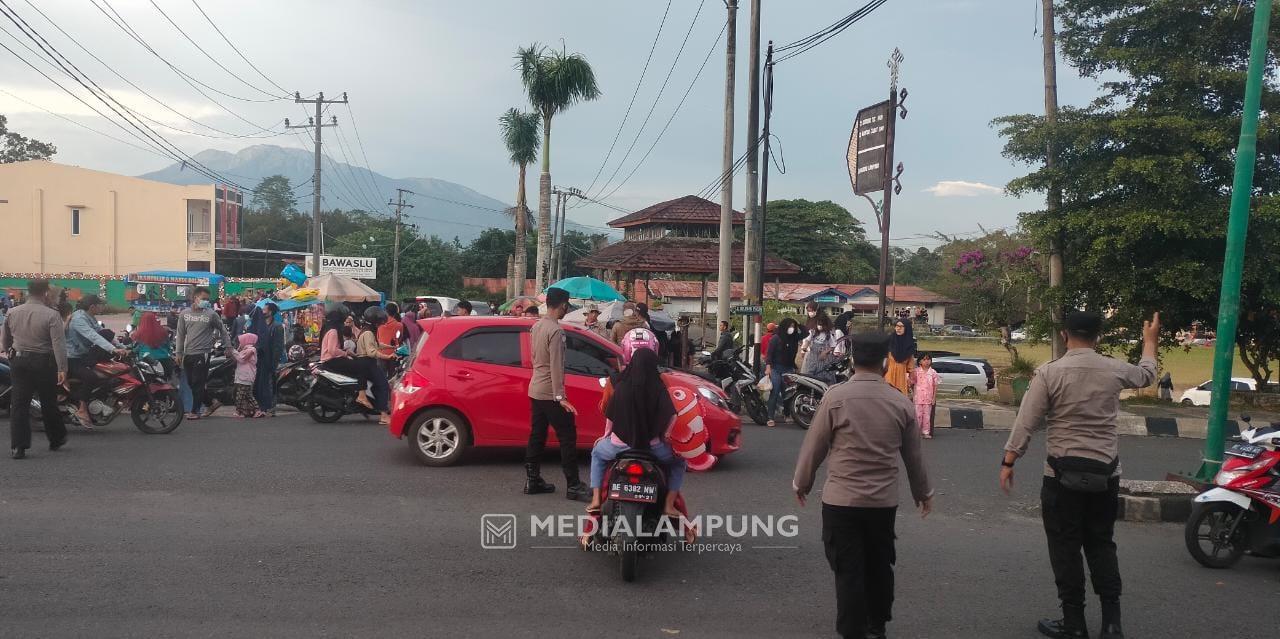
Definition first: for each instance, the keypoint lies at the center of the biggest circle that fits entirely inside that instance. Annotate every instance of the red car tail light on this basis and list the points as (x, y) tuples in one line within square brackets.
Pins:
[(412, 382)]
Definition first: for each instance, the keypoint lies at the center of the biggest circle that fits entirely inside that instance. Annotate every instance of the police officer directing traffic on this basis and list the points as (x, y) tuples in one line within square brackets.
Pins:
[(1077, 397), (35, 339)]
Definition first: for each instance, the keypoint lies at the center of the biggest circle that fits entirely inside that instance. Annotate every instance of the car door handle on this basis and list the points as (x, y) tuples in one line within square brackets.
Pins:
[(463, 375)]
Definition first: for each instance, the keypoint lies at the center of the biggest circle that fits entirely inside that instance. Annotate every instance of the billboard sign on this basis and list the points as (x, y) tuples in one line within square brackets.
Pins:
[(360, 268), (868, 149)]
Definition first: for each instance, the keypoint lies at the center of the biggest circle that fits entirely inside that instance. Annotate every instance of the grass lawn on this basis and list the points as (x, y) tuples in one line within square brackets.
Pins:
[(1189, 368)]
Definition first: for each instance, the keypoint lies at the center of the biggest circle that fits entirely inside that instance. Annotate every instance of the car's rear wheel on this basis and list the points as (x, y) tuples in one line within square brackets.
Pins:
[(438, 437), (1188, 402), (968, 391)]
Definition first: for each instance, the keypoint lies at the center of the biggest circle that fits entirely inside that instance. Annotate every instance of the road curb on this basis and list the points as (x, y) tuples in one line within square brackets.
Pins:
[(998, 418)]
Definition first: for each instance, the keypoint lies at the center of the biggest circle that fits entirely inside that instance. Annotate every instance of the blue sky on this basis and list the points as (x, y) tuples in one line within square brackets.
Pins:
[(428, 79)]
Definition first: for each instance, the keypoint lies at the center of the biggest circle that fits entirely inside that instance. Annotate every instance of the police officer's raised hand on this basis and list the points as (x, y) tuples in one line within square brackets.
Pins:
[(1151, 329)]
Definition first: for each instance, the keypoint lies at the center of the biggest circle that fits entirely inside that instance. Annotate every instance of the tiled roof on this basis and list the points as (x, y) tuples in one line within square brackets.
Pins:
[(674, 289), (689, 209), (675, 255)]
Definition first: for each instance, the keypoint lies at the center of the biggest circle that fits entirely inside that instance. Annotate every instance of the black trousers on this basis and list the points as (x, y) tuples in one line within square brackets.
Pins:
[(354, 367), (548, 412), (81, 370), (197, 370), (34, 376), (1075, 521), (859, 544)]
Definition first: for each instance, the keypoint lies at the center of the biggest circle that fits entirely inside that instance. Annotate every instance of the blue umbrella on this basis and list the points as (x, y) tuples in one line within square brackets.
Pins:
[(589, 288)]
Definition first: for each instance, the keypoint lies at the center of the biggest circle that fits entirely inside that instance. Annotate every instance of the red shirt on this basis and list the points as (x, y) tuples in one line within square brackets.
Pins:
[(764, 345)]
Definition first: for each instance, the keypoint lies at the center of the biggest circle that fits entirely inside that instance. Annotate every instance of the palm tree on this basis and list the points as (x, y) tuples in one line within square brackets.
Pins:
[(520, 135), (554, 81)]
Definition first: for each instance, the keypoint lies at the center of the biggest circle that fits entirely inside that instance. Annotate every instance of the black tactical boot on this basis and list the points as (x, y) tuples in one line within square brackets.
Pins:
[(1111, 620), (579, 491), (1070, 626), (533, 483)]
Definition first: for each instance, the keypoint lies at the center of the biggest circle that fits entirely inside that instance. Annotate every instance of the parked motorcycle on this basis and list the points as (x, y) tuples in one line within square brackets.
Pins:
[(735, 377), (802, 393), (1242, 512), (630, 522), (6, 387), (138, 385)]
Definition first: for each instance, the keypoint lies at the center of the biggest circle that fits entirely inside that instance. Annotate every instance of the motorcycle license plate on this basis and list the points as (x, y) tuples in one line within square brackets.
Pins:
[(643, 492), (1246, 451)]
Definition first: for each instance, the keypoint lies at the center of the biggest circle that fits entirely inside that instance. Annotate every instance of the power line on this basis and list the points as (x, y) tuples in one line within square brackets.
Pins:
[(673, 114), (211, 58), (57, 58), (356, 128), (237, 50), (813, 40), (657, 98), (225, 134), (85, 126), (634, 93)]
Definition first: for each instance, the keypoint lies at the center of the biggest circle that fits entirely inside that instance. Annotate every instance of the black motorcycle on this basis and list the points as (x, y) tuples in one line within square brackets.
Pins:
[(333, 395), (802, 393), (735, 377), (631, 521), (6, 387)]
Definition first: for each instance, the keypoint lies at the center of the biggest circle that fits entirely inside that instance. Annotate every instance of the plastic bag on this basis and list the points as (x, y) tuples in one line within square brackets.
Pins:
[(765, 385)]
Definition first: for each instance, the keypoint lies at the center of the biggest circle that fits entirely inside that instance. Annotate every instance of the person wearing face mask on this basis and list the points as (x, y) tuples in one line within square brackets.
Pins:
[(783, 349), (199, 330), (811, 311)]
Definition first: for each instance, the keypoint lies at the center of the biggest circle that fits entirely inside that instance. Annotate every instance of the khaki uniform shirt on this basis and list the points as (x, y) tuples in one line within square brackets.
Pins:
[(546, 341), (36, 328), (1077, 397), (864, 426)]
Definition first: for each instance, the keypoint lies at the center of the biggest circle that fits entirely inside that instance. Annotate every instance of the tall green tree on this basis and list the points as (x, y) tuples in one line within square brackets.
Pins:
[(17, 148), (823, 239), (486, 256), (428, 265), (520, 136), (1146, 169), (274, 194), (554, 81)]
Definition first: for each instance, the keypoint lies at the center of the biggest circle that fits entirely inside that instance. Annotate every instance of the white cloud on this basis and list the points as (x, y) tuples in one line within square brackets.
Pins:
[(961, 188)]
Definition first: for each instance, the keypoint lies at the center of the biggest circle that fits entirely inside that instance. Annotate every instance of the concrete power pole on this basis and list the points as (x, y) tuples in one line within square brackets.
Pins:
[(395, 246), (724, 288), (752, 246), (317, 237), (1053, 201)]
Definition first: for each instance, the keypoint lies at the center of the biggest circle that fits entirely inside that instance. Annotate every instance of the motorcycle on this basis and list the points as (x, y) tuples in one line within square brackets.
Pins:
[(630, 521), (333, 395), (1242, 512), (136, 384), (6, 387), (736, 378), (802, 393), (292, 380)]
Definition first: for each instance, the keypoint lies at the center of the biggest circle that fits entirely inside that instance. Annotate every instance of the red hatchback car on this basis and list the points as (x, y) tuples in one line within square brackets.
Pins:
[(468, 387)]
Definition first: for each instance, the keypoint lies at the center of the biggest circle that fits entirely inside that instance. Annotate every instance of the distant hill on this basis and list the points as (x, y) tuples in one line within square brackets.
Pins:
[(444, 209)]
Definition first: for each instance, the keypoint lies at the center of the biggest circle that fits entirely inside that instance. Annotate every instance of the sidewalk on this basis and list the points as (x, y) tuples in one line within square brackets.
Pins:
[(978, 415)]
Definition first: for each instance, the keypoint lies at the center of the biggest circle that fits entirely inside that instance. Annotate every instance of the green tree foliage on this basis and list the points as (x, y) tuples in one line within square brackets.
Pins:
[(996, 278), (823, 239), (17, 148), (1146, 169), (428, 265), (520, 136), (918, 268)]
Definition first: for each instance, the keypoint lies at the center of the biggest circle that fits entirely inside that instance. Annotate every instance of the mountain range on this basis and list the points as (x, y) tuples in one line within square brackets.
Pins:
[(442, 208)]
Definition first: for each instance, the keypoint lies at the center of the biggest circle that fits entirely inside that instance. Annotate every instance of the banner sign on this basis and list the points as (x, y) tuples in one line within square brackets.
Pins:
[(868, 149), (360, 268)]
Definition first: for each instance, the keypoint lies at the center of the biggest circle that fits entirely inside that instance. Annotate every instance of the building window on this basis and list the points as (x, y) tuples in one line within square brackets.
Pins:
[(75, 221)]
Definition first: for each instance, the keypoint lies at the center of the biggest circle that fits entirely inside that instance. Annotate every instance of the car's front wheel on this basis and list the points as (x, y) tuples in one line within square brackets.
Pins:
[(1186, 401), (968, 391), (438, 437)]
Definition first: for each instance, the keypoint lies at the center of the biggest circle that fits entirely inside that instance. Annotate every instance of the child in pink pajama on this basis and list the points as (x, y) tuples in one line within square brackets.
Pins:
[(924, 381)]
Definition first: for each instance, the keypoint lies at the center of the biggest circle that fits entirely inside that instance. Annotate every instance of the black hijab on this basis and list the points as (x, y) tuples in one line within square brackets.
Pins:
[(902, 347), (640, 408)]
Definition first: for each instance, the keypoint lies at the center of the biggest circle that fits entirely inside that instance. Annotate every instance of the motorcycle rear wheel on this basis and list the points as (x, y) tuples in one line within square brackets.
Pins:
[(1225, 546), (157, 415), (756, 408), (323, 414)]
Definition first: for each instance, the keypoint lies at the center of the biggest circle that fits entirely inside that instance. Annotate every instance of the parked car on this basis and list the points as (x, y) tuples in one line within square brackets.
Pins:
[(958, 330), (1019, 335), (466, 387), (480, 308), (439, 305), (969, 377), (1199, 395)]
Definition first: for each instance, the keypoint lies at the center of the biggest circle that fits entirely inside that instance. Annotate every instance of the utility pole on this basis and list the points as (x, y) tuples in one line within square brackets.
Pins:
[(1053, 201), (400, 204), (891, 174), (317, 238), (1237, 230), (752, 250), (724, 282), (557, 229)]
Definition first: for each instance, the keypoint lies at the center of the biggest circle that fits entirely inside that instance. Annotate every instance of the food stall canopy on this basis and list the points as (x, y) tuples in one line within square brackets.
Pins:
[(338, 288)]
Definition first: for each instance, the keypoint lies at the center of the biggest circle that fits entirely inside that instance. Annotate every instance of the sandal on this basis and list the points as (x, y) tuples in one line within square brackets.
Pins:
[(192, 417), (771, 424), (593, 510)]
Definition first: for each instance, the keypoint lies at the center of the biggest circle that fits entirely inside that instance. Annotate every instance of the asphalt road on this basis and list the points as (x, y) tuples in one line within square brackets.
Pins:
[(286, 528)]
